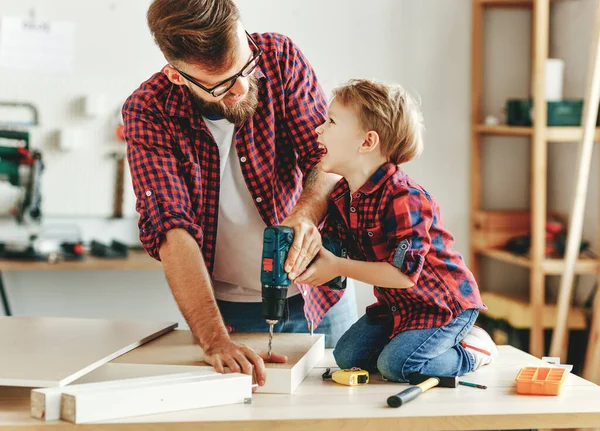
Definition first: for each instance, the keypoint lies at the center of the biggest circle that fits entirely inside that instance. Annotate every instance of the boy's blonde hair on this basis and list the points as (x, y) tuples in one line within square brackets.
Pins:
[(388, 110)]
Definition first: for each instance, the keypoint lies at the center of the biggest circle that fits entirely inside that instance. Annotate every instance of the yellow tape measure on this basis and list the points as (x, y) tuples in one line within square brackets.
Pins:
[(351, 377)]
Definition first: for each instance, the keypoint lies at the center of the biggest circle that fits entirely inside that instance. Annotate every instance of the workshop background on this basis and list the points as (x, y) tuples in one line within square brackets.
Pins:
[(423, 45)]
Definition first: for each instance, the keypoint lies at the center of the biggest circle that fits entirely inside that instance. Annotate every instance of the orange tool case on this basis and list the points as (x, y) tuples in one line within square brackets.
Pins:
[(540, 380)]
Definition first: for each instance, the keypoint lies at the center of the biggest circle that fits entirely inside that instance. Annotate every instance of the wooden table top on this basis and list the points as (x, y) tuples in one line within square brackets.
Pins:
[(137, 260), (324, 405)]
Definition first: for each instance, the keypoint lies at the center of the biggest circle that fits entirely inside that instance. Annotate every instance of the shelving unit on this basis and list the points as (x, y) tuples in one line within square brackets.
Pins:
[(490, 229)]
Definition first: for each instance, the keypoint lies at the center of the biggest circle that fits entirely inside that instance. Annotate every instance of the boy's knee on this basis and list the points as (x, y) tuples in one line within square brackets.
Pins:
[(389, 368), (344, 354), (397, 368)]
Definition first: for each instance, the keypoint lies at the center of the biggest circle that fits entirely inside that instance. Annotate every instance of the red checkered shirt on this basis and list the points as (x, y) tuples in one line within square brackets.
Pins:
[(174, 159), (393, 219)]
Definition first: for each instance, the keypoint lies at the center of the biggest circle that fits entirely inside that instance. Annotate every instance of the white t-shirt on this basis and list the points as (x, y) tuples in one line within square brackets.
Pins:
[(236, 273)]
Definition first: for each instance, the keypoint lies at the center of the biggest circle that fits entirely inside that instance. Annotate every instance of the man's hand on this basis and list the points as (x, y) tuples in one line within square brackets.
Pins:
[(239, 358), (307, 242), (324, 269)]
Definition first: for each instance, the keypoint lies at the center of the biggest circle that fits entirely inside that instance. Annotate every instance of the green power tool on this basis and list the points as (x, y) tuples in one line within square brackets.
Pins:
[(277, 241)]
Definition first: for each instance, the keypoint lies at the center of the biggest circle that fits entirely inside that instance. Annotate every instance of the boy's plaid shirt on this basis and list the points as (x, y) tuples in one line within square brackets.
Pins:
[(392, 219), (174, 159)]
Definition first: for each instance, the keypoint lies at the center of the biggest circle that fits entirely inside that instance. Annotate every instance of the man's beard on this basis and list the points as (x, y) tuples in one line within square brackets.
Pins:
[(237, 113)]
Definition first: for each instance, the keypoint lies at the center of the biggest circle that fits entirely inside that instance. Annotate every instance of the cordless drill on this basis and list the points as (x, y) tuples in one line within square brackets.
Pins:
[(277, 241)]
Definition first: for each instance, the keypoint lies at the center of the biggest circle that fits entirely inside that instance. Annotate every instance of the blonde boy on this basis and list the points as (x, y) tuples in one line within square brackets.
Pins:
[(427, 299)]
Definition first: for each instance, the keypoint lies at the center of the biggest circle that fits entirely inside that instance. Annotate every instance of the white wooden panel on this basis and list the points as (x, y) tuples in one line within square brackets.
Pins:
[(148, 396), (47, 351)]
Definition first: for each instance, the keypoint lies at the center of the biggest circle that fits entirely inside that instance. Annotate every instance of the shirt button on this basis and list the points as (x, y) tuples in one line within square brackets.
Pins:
[(370, 233), (339, 225), (243, 159), (305, 293), (358, 195), (393, 309), (148, 193), (352, 209), (403, 246), (259, 200)]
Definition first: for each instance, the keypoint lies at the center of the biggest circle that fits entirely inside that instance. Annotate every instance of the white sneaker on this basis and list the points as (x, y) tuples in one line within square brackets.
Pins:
[(481, 346)]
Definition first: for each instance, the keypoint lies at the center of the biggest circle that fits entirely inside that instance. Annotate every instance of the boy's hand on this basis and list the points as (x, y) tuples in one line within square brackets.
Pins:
[(307, 242), (322, 270)]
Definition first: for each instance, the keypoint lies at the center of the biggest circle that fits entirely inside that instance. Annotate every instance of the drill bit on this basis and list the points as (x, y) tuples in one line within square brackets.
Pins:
[(271, 324)]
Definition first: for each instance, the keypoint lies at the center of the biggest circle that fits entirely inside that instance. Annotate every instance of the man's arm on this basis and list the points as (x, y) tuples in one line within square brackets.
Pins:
[(191, 286), (304, 219)]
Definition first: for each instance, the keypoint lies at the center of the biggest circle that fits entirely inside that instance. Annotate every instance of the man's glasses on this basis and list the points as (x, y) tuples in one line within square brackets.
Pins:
[(224, 86)]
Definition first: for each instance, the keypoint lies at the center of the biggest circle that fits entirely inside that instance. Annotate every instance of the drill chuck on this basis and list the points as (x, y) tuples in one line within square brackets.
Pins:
[(273, 302)]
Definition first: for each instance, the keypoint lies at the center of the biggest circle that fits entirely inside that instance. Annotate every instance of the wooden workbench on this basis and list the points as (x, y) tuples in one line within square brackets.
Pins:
[(323, 405)]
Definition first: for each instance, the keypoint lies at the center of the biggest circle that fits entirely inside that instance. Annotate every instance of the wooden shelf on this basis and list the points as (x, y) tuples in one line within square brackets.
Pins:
[(549, 266), (503, 130), (553, 134), (518, 313), (505, 256), (525, 4), (137, 260), (507, 3)]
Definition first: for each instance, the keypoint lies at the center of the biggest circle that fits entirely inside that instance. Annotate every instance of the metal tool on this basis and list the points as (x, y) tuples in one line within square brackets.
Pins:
[(277, 241), (423, 383)]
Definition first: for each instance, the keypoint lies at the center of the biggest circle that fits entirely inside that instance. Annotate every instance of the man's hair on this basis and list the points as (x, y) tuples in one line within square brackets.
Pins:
[(195, 31), (388, 110)]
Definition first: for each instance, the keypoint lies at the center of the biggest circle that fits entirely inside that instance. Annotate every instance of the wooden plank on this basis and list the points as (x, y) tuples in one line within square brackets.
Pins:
[(584, 265), (476, 86), (137, 397), (46, 403), (503, 130), (539, 161), (568, 134), (180, 348), (553, 133), (46, 351), (526, 4), (137, 260), (590, 114), (507, 256)]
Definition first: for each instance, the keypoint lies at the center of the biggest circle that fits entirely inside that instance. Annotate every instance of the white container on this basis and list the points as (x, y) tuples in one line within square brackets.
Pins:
[(555, 68)]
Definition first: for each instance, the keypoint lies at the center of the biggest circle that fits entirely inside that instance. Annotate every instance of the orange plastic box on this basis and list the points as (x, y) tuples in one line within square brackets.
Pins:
[(540, 380)]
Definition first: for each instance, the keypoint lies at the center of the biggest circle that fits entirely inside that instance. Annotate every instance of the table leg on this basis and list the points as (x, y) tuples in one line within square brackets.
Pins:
[(5, 303)]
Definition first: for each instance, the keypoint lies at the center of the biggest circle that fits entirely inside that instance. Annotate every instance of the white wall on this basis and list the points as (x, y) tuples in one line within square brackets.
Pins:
[(424, 45)]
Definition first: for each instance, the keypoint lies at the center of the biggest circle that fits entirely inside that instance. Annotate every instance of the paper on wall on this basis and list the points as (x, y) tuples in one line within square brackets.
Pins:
[(43, 47)]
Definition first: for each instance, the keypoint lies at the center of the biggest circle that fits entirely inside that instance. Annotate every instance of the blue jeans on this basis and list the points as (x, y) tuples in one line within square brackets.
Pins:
[(246, 317), (434, 351)]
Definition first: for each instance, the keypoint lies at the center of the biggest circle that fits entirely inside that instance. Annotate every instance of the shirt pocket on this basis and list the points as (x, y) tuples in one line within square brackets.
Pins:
[(374, 244)]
